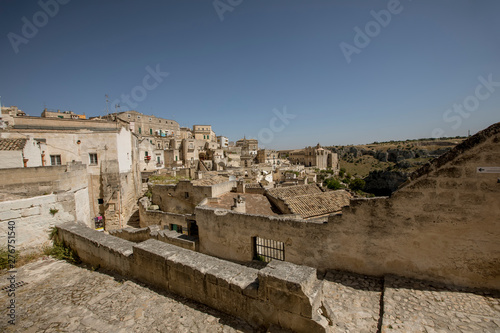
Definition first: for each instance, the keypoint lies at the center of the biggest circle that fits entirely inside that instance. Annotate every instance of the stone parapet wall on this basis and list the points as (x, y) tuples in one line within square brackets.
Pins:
[(32, 217), (160, 218), (36, 181), (154, 232), (281, 294)]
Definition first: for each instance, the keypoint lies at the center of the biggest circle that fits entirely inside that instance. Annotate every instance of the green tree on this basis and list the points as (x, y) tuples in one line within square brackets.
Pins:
[(333, 184), (357, 184)]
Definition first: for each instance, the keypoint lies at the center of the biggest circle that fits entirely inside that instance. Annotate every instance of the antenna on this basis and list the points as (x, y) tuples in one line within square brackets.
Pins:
[(107, 101), (117, 107)]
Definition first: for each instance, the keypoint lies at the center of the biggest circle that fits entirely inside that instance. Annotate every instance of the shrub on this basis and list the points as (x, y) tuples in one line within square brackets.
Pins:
[(333, 184), (357, 184)]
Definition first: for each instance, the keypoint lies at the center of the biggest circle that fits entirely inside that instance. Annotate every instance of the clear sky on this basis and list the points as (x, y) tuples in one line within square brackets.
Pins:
[(336, 72)]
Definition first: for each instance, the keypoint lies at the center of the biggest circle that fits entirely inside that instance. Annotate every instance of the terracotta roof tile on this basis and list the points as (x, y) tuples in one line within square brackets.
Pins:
[(294, 191), (12, 144), (318, 204)]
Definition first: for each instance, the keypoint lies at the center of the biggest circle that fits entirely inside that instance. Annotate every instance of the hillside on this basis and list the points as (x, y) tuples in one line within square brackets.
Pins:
[(404, 156)]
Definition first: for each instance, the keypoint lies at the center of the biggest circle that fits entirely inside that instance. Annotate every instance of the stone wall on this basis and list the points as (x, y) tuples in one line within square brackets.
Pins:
[(154, 232), (149, 217), (280, 294), (33, 219), (443, 225), (183, 197), (29, 182)]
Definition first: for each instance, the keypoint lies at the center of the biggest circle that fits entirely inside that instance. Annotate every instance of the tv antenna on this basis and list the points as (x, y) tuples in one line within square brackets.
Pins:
[(107, 102)]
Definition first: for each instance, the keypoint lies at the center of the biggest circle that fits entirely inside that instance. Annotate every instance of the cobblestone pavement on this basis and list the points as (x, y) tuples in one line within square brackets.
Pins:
[(60, 297), (352, 302), (416, 306)]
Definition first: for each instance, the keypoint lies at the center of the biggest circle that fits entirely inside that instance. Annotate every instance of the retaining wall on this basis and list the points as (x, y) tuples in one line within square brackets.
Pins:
[(280, 294)]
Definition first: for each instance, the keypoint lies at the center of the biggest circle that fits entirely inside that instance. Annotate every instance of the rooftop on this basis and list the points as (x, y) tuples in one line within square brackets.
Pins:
[(12, 144), (294, 191), (318, 204), (256, 204), (210, 180)]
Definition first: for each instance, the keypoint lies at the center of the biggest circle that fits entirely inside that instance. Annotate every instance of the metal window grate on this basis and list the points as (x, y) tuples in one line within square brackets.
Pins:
[(268, 249)]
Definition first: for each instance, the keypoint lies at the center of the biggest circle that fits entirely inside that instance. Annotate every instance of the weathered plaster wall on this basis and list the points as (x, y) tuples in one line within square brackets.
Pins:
[(183, 197), (11, 159), (29, 182), (443, 225), (281, 294), (32, 217), (155, 217)]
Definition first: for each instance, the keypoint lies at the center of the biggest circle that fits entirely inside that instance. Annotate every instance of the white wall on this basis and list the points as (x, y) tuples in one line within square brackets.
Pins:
[(33, 153), (124, 150), (11, 159)]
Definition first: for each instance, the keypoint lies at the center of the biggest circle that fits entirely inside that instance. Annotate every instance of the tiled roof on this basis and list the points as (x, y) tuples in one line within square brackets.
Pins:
[(318, 204), (210, 180), (12, 144), (294, 191), (253, 185)]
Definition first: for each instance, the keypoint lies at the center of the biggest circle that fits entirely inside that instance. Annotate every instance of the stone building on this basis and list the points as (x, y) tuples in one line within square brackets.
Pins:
[(316, 157), (107, 148), (21, 152), (267, 156), (62, 115), (145, 125), (8, 114), (204, 132), (223, 141), (249, 145)]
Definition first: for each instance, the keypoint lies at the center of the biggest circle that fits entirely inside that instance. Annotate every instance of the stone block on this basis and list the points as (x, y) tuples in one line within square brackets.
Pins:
[(31, 211), (10, 215)]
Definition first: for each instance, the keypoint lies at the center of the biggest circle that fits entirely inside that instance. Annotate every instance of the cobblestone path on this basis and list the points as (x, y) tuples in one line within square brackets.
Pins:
[(60, 297)]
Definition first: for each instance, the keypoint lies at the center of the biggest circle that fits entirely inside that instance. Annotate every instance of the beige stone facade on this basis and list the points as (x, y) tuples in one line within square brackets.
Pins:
[(62, 114), (204, 132), (316, 157), (108, 150), (269, 156)]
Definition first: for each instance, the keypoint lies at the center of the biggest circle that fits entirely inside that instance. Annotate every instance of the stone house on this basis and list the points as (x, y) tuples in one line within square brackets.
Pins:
[(108, 149), (21, 152), (316, 157)]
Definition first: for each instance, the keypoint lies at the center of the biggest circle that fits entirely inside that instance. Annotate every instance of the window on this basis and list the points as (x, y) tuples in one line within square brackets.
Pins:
[(151, 131), (149, 119), (158, 159), (146, 153), (208, 136), (140, 131), (128, 116), (100, 201), (93, 159), (138, 117), (268, 249), (186, 195), (160, 121), (55, 159)]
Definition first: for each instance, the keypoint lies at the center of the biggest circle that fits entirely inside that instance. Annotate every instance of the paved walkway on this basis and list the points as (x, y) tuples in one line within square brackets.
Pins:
[(60, 297)]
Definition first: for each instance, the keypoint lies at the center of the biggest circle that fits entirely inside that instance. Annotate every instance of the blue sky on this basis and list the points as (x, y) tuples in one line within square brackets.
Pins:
[(238, 65)]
